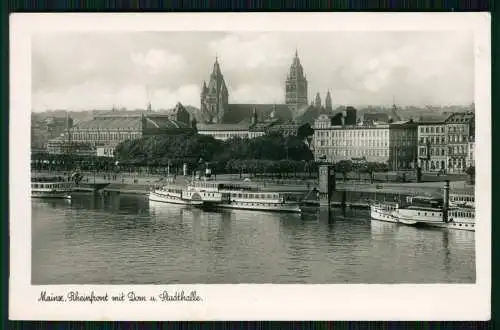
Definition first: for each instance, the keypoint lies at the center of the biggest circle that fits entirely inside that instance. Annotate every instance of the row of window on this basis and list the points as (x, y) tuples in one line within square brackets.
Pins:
[(442, 139), (355, 152), (433, 165), (107, 136), (255, 196), (462, 214), (349, 143), (49, 185), (441, 129), (355, 133), (226, 135), (455, 150), (462, 198), (432, 129)]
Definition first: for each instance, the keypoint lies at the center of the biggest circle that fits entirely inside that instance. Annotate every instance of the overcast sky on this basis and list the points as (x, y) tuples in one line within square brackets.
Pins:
[(99, 70)]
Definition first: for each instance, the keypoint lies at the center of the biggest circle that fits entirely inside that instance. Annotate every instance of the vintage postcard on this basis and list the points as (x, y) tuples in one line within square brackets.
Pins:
[(281, 166)]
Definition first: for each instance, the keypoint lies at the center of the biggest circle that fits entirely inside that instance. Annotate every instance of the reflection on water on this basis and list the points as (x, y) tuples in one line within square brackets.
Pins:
[(119, 239)]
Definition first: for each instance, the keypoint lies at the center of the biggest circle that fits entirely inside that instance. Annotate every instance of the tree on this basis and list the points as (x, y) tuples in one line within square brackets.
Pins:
[(344, 167), (305, 131)]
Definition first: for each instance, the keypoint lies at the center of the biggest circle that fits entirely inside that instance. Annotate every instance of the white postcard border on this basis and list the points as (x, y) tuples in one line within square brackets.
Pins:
[(247, 302)]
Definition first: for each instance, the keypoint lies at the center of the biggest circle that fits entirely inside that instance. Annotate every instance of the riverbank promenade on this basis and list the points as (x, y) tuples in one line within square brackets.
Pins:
[(141, 184)]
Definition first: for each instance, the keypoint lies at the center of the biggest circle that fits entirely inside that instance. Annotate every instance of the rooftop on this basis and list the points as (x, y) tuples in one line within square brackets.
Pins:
[(460, 117), (222, 127), (239, 112), (130, 122)]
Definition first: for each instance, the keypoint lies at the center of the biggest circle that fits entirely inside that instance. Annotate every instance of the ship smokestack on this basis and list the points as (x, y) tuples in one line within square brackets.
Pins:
[(446, 200)]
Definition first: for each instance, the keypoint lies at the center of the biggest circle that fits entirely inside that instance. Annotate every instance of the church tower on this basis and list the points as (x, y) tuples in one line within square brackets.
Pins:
[(328, 102), (317, 101), (296, 86), (214, 97)]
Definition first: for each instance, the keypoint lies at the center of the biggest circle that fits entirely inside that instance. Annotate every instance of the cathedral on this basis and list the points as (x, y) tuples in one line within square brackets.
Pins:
[(215, 107), (296, 86), (214, 97)]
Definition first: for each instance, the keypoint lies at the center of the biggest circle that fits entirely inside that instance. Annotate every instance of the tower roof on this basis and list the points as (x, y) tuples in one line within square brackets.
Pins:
[(296, 69), (216, 71)]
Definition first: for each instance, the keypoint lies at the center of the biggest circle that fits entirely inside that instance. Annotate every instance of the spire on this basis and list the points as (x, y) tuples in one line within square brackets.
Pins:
[(216, 71), (328, 101), (317, 101), (296, 53)]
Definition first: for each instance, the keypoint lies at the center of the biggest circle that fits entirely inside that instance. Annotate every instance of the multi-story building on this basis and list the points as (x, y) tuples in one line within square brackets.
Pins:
[(227, 131), (472, 158), (50, 128), (254, 129), (432, 146), (460, 132), (394, 143), (105, 132), (60, 146)]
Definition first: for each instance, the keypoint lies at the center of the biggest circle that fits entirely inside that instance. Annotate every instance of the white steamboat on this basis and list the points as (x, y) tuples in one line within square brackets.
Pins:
[(51, 187), (434, 212), (383, 211), (175, 196), (244, 197)]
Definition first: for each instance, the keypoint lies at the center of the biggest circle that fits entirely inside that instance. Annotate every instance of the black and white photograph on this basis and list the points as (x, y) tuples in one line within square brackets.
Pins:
[(190, 160)]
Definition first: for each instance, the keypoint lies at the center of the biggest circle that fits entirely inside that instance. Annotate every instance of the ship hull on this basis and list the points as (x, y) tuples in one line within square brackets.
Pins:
[(377, 213), (155, 197), (48, 194), (263, 207)]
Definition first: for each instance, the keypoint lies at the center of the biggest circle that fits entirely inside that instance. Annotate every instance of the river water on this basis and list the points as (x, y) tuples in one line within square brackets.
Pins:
[(120, 239)]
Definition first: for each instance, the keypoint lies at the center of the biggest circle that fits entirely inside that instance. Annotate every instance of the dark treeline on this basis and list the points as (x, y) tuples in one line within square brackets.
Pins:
[(265, 154)]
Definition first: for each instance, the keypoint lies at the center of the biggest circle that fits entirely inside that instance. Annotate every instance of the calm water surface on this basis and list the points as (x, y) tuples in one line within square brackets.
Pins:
[(122, 239)]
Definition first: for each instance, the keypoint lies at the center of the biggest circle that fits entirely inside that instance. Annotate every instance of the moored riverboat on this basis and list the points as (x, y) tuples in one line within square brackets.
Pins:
[(383, 211), (259, 201), (51, 187), (243, 196), (175, 196), (426, 211)]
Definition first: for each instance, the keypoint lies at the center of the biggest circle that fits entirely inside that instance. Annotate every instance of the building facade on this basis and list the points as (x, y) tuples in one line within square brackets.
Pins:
[(50, 128), (432, 146), (472, 157), (393, 144), (105, 132), (460, 132), (227, 131)]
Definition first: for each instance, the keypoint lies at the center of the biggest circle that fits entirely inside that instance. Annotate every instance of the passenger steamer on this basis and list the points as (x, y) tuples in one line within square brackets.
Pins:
[(434, 212), (51, 187), (243, 197), (175, 196)]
